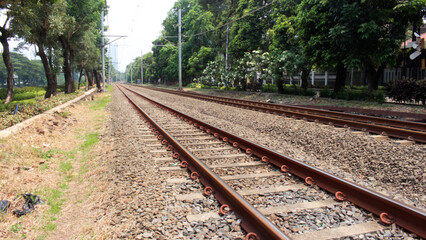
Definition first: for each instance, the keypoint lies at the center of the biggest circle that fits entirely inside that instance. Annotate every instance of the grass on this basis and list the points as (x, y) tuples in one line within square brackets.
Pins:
[(60, 170), (44, 166), (100, 104), (31, 107), (63, 114), (55, 198), (16, 228)]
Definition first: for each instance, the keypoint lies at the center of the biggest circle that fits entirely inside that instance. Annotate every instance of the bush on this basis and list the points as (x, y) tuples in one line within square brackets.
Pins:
[(326, 92), (295, 90), (30, 107), (359, 93), (193, 85), (270, 88), (407, 90), (23, 93), (228, 88)]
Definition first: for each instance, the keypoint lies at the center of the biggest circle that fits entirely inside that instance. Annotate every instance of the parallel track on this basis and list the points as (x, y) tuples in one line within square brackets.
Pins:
[(390, 211), (415, 131)]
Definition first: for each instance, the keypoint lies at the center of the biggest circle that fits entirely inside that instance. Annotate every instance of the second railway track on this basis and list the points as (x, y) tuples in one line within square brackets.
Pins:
[(286, 200), (410, 130)]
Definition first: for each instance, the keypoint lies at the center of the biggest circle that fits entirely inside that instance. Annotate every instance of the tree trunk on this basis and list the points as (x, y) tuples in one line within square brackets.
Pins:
[(280, 83), (79, 78), (373, 77), (340, 78), (98, 82), (6, 58), (69, 82), (51, 80), (244, 84), (305, 77), (87, 79)]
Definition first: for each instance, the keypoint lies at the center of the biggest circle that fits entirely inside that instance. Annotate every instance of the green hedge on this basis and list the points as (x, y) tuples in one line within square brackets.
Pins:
[(296, 90), (360, 94), (23, 93)]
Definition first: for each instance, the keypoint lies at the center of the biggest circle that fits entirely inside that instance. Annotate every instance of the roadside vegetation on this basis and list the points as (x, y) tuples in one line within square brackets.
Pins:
[(28, 102), (55, 164), (260, 45), (66, 35)]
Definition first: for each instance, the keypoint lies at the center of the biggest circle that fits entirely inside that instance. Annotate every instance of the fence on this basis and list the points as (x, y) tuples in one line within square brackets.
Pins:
[(356, 77)]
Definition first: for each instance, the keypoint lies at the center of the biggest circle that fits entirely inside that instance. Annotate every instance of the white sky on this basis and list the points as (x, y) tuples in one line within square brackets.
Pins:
[(140, 21)]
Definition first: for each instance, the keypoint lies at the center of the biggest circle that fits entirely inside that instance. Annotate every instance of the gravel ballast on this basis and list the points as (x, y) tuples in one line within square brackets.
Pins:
[(385, 166), (140, 204)]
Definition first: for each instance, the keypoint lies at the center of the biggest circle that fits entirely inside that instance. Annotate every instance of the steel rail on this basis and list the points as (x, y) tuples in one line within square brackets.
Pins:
[(416, 117), (252, 220), (394, 128), (389, 210), (343, 115)]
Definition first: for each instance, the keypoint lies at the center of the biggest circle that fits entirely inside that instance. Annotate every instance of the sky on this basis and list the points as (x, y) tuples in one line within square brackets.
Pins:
[(140, 21)]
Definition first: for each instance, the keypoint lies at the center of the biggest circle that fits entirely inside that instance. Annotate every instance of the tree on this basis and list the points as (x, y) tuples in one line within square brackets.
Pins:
[(286, 48), (250, 33), (315, 20), (38, 22), (29, 72), (6, 33), (355, 33), (77, 19)]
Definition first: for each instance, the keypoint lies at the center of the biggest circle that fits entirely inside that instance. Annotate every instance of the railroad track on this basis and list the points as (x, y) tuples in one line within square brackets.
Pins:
[(413, 131), (284, 198)]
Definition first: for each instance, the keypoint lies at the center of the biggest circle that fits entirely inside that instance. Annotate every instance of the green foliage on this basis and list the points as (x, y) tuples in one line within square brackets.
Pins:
[(361, 94), (17, 227), (63, 31), (295, 90), (30, 108), (270, 88), (29, 72), (355, 33)]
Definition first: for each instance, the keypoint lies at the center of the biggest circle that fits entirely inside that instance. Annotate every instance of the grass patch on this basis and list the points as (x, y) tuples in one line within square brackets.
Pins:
[(90, 140), (101, 103), (49, 227), (65, 167), (16, 228), (30, 107), (43, 166), (64, 114)]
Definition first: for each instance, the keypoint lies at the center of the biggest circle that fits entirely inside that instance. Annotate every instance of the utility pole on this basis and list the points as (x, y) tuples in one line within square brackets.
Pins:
[(103, 50), (109, 66), (226, 55), (141, 67), (180, 49)]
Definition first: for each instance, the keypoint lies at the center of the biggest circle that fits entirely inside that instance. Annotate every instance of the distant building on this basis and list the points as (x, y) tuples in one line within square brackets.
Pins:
[(114, 55)]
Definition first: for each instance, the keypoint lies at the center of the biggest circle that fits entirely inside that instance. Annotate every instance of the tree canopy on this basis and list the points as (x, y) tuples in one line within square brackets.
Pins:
[(66, 34)]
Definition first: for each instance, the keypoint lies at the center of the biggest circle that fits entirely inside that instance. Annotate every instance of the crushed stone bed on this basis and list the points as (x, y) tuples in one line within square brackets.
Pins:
[(394, 170), (140, 203)]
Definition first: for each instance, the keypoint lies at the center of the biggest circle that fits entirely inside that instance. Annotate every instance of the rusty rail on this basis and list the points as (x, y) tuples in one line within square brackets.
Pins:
[(389, 210), (252, 220), (394, 128), (416, 117)]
